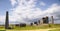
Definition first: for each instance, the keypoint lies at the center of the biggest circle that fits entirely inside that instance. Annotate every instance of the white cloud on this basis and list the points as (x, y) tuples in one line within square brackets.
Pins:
[(25, 9), (42, 4), (2, 19), (52, 9), (13, 2)]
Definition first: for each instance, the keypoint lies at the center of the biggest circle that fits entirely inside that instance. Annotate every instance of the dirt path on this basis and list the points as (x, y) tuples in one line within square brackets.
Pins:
[(35, 30)]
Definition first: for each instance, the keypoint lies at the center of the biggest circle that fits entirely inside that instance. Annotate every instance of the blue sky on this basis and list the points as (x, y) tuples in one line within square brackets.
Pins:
[(48, 3), (6, 5), (31, 9)]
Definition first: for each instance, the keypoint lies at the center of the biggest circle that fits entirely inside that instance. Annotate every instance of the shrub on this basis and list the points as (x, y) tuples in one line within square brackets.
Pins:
[(50, 25), (22, 25), (17, 25), (31, 24)]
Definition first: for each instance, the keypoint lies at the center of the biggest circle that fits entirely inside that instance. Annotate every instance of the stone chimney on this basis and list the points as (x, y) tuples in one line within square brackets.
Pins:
[(52, 19), (7, 21)]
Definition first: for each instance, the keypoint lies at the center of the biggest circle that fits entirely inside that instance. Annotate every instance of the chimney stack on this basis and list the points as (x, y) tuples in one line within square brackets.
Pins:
[(7, 21), (52, 19)]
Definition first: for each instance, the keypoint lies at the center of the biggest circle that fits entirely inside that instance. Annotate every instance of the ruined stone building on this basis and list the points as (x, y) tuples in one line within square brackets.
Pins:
[(45, 20)]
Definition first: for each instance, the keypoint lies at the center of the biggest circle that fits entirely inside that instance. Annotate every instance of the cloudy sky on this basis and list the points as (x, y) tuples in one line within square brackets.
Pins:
[(29, 10)]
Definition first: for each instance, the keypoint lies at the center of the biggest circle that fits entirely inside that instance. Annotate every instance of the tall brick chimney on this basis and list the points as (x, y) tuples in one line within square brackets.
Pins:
[(7, 21)]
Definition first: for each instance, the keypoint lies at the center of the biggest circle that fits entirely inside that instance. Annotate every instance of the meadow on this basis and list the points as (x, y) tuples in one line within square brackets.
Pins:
[(28, 27), (55, 30)]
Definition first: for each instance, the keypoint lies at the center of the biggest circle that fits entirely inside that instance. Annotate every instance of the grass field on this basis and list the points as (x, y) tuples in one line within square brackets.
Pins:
[(38, 27), (55, 30), (33, 27), (2, 30)]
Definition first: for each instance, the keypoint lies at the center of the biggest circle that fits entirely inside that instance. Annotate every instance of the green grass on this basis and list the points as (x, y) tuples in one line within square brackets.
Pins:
[(55, 25), (37, 27), (33, 27), (2, 30), (55, 30)]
